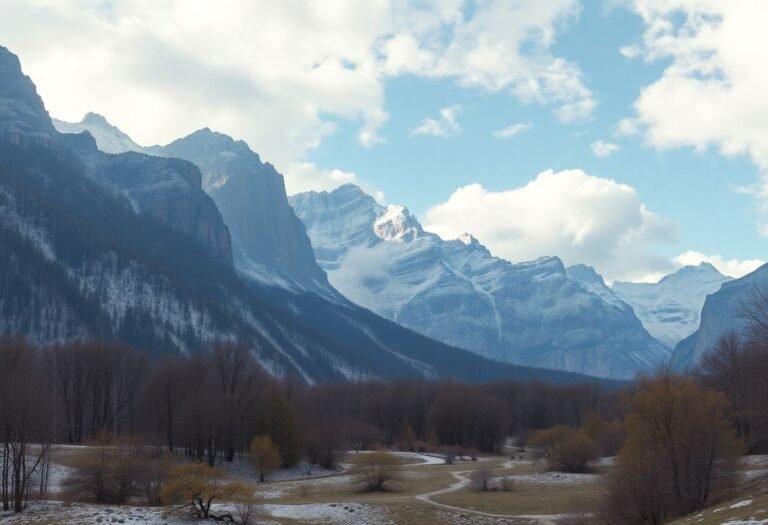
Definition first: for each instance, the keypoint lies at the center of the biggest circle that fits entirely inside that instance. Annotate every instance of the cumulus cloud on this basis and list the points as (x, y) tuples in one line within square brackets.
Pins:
[(513, 130), (712, 92), (603, 149), (578, 217), (280, 74), (626, 127), (445, 125), (731, 267)]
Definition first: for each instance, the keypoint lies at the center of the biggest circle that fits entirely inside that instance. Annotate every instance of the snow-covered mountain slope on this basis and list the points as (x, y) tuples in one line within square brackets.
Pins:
[(723, 312), (126, 247), (455, 291), (671, 308), (269, 242)]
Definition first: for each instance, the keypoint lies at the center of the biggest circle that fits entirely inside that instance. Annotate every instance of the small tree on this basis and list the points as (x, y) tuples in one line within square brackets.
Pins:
[(377, 471), (265, 455), (407, 439), (196, 486), (481, 479)]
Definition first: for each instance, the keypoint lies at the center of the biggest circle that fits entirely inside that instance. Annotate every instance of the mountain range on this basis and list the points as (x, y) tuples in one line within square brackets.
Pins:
[(456, 291), (130, 247), (536, 313)]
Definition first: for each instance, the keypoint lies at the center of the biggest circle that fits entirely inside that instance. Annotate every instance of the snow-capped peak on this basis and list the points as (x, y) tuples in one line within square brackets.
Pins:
[(109, 138), (396, 224), (468, 239)]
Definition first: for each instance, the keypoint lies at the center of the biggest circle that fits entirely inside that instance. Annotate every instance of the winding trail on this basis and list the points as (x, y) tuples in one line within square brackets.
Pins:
[(463, 481)]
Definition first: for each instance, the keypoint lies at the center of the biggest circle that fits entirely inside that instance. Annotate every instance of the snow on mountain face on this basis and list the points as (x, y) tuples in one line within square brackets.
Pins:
[(670, 309), (593, 282), (723, 312), (455, 291)]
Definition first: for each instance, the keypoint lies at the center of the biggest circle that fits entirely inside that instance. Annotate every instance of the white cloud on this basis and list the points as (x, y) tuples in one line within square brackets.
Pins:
[(578, 217), (626, 127), (513, 130), (731, 267), (280, 74), (603, 149), (712, 92), (445, 125)]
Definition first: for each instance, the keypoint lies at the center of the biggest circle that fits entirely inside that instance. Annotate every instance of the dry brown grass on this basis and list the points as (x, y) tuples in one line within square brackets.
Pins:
[(529, 498)]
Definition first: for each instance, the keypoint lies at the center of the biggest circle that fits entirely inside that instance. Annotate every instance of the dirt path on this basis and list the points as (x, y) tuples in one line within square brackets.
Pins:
[(463, 481)]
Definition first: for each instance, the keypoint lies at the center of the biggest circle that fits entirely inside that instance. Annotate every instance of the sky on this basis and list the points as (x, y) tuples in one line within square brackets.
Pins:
[(628, 135)]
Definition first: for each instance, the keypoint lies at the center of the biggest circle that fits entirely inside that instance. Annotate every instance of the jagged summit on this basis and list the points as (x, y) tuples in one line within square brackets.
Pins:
[(397, 224), (109, 138)]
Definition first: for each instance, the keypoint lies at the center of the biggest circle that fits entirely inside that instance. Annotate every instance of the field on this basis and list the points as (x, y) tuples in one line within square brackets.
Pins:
[(427, 491)]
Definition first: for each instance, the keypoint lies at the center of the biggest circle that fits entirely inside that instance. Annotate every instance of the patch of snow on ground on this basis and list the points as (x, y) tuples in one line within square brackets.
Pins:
[(341, 513), (243, 469), (81, 514), (554, 478), (740, 504), (745, 522)]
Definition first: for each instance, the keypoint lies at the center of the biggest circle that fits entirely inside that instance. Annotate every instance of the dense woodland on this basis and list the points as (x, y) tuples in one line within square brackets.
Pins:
[(674, 434)]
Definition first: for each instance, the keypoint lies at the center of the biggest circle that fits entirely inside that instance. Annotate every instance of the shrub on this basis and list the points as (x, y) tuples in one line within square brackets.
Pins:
[(481, 479), (196, 486), (377, 471), (574, 454), (566, 449), (115, 471)]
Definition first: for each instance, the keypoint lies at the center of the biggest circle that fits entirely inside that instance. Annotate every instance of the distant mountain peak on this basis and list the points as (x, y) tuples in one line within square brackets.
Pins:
[(95, 119), (670, 308), (397, 224), (109, 138), (212, 142), (585, 273)]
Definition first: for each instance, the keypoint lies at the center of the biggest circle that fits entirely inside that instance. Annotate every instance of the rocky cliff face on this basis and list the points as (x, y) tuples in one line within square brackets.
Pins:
[(269, 243), (670, 309), (455, 291), (22, 113)]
